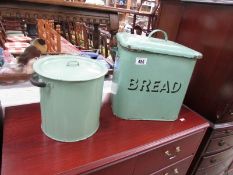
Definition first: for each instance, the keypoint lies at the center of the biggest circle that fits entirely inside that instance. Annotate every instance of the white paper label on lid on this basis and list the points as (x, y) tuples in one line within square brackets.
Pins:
[(141, 61)]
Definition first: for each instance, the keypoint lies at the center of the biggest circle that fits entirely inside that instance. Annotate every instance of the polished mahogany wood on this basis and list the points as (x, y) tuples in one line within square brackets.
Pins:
[(179, 167), (157, 159), (123, 168), (27, 149)]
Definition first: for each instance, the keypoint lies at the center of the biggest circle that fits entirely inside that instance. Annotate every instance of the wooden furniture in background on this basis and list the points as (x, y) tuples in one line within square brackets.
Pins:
[(1, 130), (81, 35), (65, 12), (14, 78), (14, 47), (14, 26), (2, 40), (207, 27), (12, 37), (104, 43), (119, 147), (216, 154), (52, 37), (152, 15)]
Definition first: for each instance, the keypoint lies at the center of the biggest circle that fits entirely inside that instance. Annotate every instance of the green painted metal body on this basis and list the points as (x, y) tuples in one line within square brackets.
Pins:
[(70, 109), (151, 77)]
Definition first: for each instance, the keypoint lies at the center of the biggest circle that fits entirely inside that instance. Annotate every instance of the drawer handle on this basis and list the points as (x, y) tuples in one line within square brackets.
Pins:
[(178, 149), (176, 171), (213, 160), (221, 143), (170, 155)]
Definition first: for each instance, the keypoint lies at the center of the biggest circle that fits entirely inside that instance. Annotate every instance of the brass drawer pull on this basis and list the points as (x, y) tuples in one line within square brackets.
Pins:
[(178, 149), (176, 171), (170, 155)]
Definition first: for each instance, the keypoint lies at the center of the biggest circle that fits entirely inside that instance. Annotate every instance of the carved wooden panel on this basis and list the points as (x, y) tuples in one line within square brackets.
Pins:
[(57, 14)]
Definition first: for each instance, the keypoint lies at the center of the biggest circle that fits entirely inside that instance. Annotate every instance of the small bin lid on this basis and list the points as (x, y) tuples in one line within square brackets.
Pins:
[(69, 68), (162, 46)]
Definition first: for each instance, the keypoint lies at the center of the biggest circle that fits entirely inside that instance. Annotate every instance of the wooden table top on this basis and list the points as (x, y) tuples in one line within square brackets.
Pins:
[(26, 149)]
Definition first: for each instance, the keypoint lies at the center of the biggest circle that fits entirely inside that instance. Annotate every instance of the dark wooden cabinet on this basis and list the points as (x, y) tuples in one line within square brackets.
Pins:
[(230, 170), (208, 161), (216, 155), (207, 27), (220, 143), (119, 147), (217, 169), (1, 129)]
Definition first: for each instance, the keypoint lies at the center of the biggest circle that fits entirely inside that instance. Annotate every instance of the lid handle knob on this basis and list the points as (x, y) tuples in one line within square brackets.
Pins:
[(158, 30), (72, 63)]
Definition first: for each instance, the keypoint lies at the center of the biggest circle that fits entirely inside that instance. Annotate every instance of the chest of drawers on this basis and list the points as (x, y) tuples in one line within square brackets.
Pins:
[(230, 170), (217, 157), (119, 147)]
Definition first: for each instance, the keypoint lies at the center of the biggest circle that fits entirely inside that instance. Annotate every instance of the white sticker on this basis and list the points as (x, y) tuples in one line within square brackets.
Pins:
[(141, 61)]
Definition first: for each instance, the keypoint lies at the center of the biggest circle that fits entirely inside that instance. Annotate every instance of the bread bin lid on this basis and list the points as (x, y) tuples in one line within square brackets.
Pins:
[(142, 43)]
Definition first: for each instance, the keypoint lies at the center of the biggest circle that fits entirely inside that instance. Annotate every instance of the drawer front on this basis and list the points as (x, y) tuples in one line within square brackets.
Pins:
[(230, 169), (217, 169), (219, 144), (222, 132), (163, 156), (180, 167), (227, 114), (216, 158), (122, 168), (230, 172)]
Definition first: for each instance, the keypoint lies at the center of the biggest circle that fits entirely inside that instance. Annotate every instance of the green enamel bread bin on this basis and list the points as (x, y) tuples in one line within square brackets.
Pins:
[(70, 96), (150, 77)]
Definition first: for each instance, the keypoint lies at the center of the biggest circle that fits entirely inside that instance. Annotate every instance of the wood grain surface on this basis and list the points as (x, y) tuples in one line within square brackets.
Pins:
[(26, 150)]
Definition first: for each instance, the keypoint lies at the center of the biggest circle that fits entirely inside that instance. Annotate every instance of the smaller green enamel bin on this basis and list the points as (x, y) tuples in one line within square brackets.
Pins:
[(151, 77), (70, 96)]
